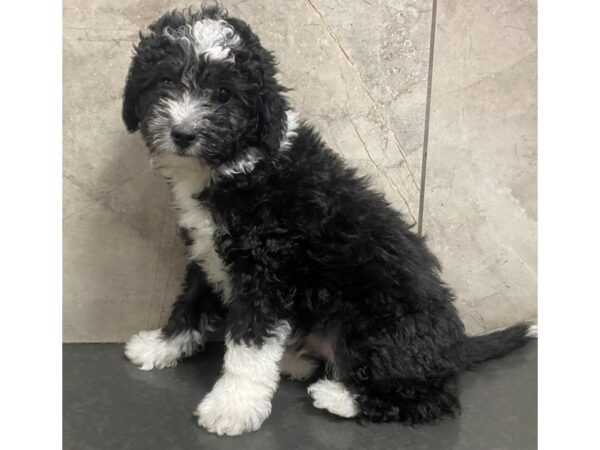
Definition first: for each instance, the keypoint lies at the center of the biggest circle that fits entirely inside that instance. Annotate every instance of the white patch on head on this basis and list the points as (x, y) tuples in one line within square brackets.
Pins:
[(188, 177), (297, 365), (211, 39), (151, 350), (214, 39), (334, 397), (241, 399), (532, 332)]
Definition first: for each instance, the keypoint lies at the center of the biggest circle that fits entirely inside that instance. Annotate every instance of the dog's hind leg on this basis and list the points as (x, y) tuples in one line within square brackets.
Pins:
[(406, 369), (406, 401), (193, 315), (399, 369), (409, 401)]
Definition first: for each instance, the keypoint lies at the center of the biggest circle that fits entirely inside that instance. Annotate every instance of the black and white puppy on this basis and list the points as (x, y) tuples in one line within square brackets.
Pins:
[(315, 275)]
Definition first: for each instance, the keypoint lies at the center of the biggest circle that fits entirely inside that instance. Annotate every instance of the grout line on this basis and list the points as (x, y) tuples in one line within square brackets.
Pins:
[(427, 115)]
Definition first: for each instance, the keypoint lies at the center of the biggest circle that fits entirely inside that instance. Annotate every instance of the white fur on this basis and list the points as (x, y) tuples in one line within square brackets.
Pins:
[(188, 177), (297, 365), (291, 133), (211, 39), (532, 332), (243, 164), (334, 397), (247, 161), (151, 350), (214, 39), (182, 109), (241, 399)]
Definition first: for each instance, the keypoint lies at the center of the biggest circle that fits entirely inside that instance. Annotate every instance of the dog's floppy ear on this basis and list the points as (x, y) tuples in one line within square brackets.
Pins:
[(269, 103), (131, 97), (272, 118), (149, 49)]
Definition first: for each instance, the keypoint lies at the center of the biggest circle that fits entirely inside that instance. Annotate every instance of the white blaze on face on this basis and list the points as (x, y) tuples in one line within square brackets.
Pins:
[(180, 109), (183, 108)]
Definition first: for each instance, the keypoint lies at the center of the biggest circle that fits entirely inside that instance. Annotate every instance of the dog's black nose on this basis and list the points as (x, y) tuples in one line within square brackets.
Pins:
[(183, 135)]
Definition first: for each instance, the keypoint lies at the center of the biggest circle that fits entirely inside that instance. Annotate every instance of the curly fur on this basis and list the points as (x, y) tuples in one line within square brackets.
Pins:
[(295, 235)]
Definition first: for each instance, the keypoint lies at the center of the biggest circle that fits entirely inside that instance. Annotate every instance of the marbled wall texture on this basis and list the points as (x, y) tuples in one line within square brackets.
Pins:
[(359, 72)]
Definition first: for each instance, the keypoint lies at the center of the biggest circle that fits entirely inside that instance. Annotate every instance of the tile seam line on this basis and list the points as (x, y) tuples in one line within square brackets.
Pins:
[(427, 117)]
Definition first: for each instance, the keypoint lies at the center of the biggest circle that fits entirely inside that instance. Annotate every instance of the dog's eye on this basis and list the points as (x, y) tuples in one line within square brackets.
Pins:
[(166, 81), (223, 95)]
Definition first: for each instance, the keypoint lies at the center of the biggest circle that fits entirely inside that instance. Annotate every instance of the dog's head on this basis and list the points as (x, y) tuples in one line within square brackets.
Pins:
[(201, 85)]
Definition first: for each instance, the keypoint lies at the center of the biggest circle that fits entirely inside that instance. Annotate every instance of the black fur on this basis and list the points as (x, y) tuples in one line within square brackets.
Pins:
[(307, 240), (197, 307), (496, 344)]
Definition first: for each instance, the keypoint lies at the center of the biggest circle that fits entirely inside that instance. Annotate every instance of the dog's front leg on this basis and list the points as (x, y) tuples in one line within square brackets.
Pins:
[(193, 314), (241, 399)]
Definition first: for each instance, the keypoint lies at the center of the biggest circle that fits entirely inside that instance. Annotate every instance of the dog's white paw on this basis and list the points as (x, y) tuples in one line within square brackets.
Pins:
[(234, 406), (334, 397), (151, 350)]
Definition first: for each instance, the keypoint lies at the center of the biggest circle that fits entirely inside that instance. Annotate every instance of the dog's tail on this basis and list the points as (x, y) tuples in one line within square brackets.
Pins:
[(499, 343)]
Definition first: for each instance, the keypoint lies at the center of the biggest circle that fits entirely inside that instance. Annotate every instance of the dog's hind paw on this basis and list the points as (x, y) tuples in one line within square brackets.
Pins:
[(334, 397)]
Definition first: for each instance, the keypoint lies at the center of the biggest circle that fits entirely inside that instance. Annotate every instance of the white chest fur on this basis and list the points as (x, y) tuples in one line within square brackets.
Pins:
[(189, 177)]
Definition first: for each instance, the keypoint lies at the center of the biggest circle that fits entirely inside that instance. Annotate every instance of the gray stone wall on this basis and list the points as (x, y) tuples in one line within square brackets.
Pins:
[(359, 71)]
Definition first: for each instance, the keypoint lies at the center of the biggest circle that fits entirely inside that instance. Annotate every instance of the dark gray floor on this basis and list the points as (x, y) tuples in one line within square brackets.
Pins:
[(110, 404)]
